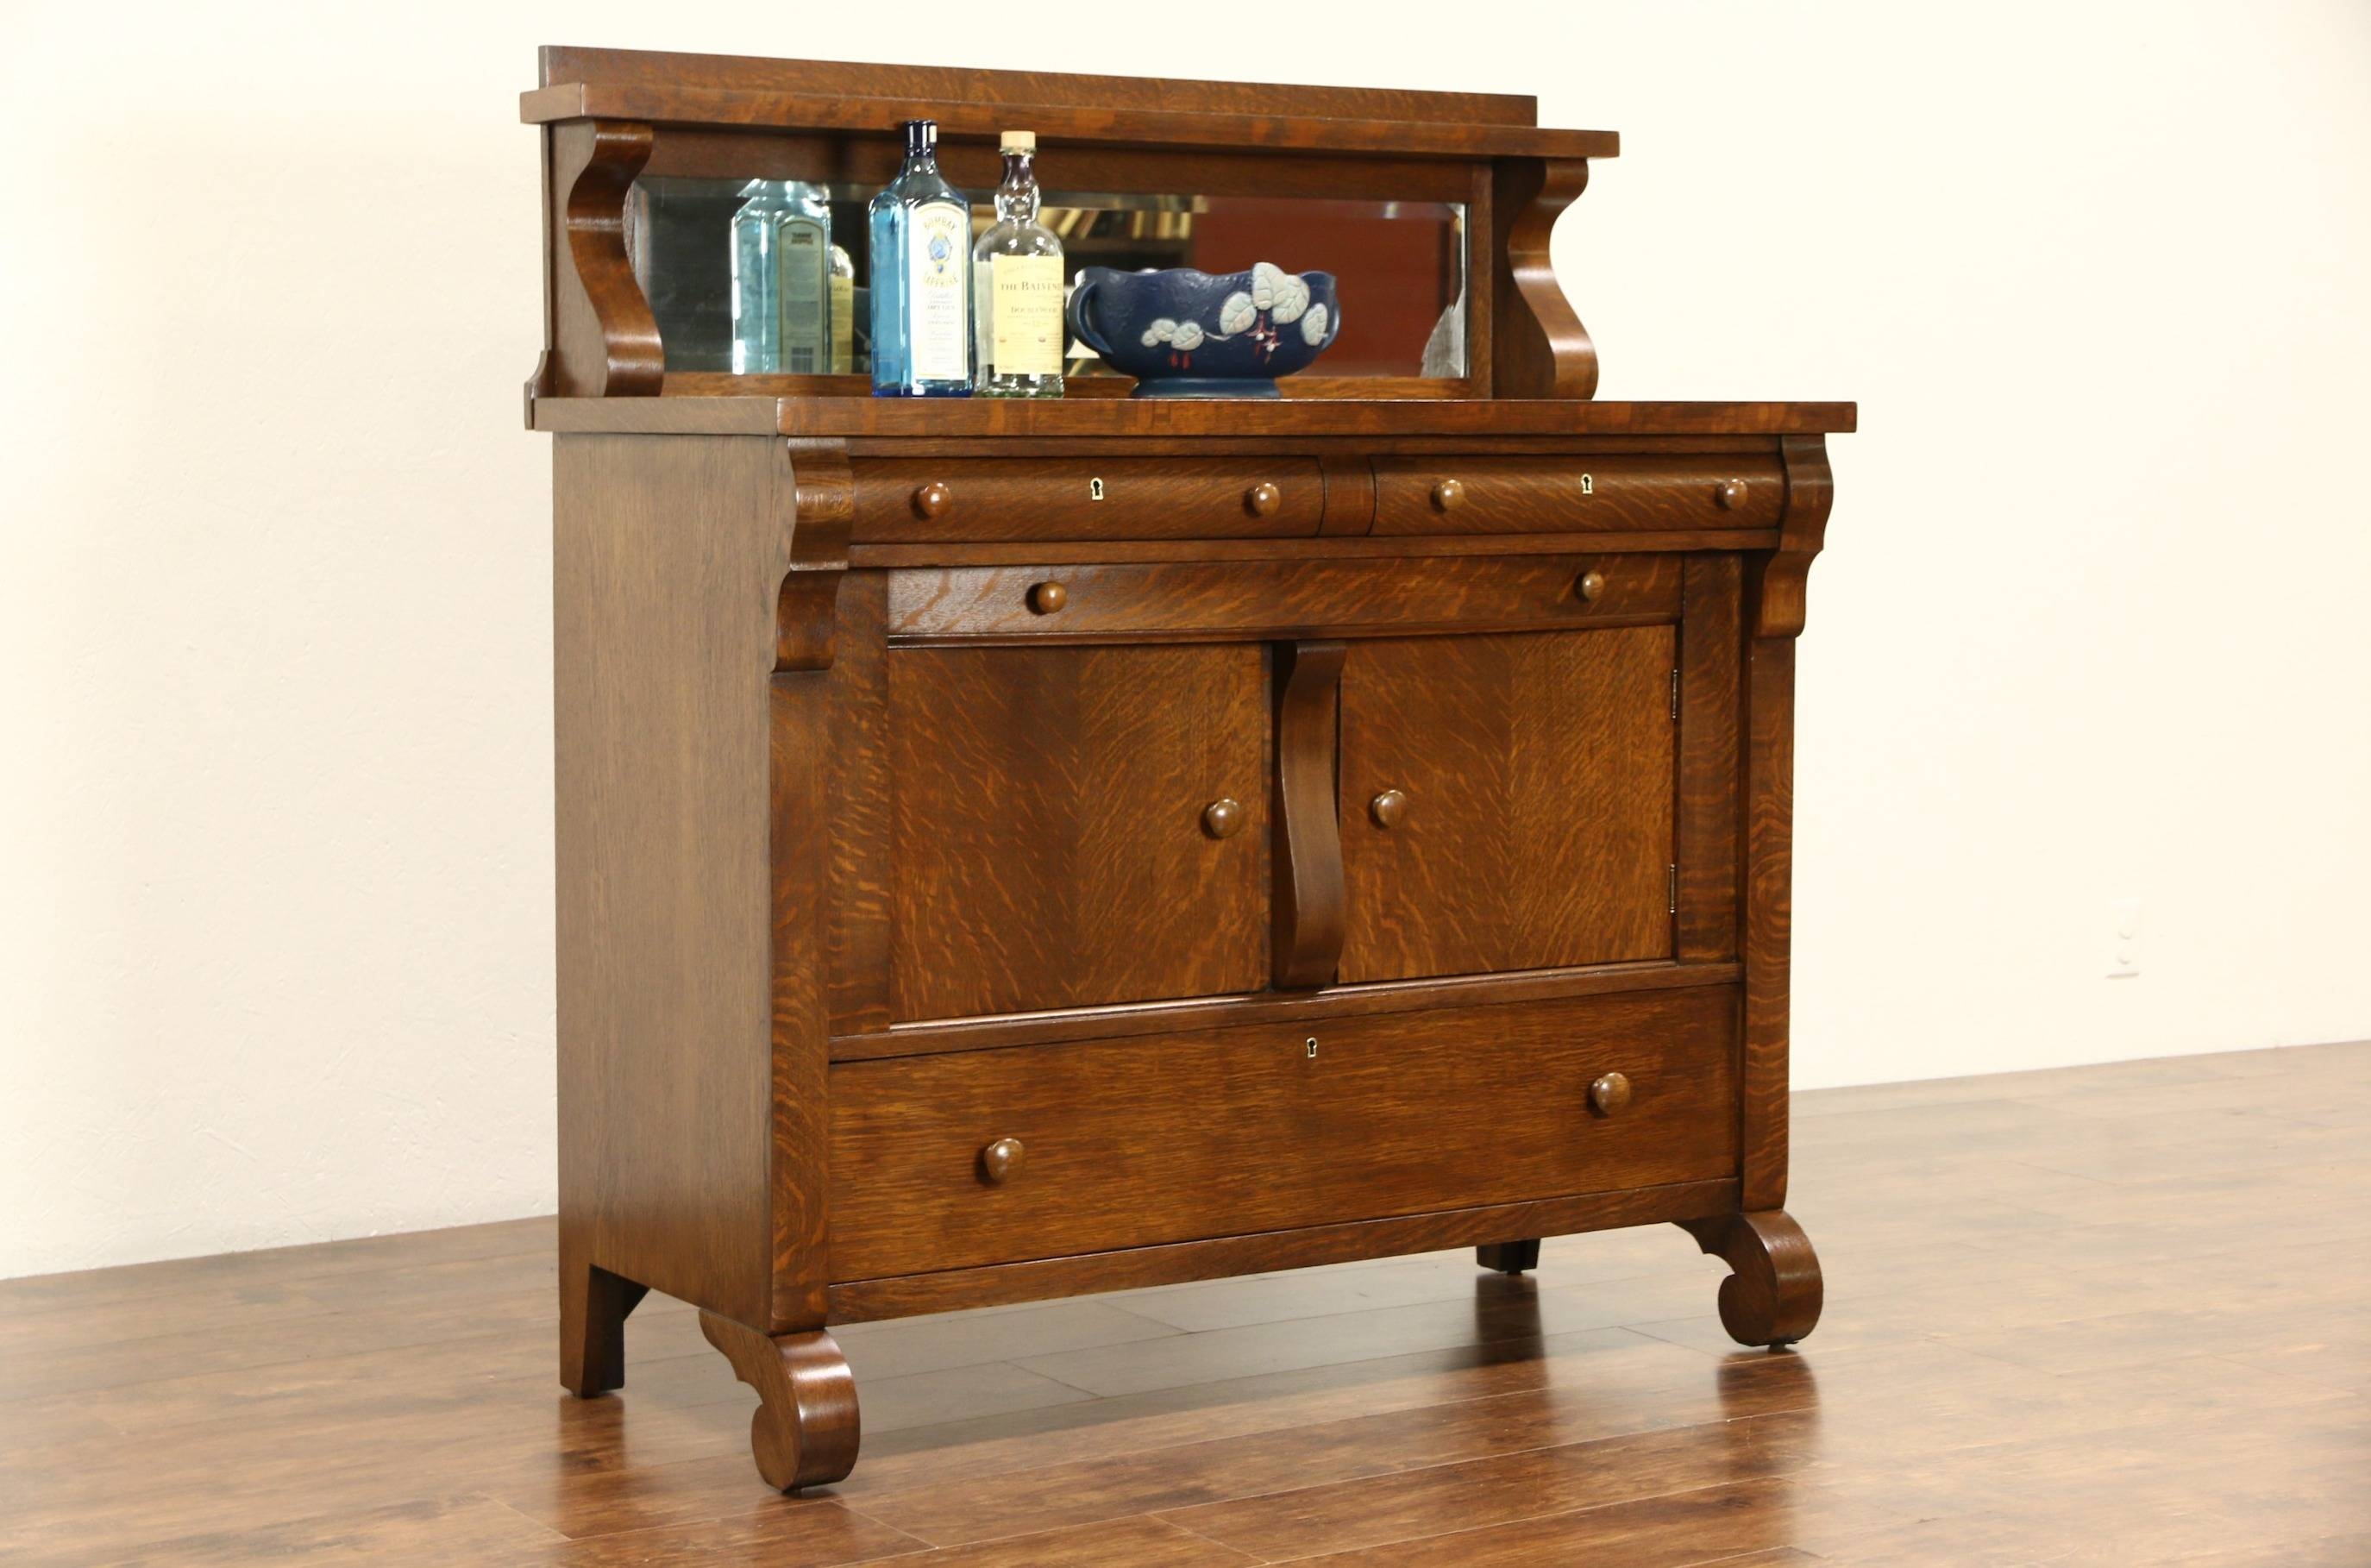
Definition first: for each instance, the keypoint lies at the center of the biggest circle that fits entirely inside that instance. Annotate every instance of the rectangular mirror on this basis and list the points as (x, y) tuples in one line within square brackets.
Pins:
[(1400, 266)]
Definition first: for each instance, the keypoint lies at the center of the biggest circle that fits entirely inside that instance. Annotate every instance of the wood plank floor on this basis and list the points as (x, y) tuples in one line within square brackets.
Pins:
[(2105, 1315)]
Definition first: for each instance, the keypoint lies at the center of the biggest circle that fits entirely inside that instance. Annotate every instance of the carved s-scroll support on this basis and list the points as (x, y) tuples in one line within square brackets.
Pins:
[(814, 556), (805, 1429), (1310, 898), (606, 338), (1774, 1291), (1538, 346), (1780, 599)]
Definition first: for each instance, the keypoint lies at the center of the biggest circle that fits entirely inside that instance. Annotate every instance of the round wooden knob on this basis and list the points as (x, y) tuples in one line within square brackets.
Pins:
[(1730, 494), (1388, 808), (1222, 819), (1447, 494), (1606, 1096), (1263, 499), (933, 499), (1591, 586), (1047, 597), (1001, 1159)]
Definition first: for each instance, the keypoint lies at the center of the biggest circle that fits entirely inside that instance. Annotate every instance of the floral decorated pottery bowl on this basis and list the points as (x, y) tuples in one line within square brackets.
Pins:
[(1186, 334)]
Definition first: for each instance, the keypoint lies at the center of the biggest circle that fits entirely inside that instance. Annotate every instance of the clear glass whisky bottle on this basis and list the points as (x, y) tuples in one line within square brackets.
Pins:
[(756, 298), (921, 278), (1017, 287)]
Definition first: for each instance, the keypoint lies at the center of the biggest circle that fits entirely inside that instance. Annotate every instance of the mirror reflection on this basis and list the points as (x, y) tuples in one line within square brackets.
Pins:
[(772, 276)]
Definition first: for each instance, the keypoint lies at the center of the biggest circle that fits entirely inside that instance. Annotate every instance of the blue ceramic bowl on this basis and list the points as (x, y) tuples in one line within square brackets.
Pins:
[(1186, 334)]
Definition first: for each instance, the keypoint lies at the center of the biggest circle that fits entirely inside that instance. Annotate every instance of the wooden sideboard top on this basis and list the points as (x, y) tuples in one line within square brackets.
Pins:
[(1123, 417)]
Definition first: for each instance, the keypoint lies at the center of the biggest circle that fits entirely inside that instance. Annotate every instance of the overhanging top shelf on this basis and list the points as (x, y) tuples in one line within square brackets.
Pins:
[(739, 92)]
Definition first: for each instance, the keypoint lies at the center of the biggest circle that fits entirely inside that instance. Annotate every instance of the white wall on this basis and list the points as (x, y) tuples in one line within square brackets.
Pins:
[(275, 892)]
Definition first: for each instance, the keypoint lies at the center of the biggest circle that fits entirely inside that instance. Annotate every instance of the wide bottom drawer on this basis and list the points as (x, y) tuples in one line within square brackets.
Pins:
[(1134, 1141)]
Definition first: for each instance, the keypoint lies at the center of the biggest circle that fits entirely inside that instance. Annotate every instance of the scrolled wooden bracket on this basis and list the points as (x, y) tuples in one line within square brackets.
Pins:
[(608, 341), (1773, 1292), (1780, 598), (806, 1429), (807, 608), (1538, 346), (1311, 899)]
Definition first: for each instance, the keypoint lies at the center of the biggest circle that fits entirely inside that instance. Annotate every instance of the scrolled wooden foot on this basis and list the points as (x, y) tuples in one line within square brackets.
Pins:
[(1772, 1294), (1509, 1257), (805, 1432), (593, 1304)]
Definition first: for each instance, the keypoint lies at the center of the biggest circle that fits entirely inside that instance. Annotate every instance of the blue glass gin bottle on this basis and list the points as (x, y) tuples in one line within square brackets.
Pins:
[(921, 278)]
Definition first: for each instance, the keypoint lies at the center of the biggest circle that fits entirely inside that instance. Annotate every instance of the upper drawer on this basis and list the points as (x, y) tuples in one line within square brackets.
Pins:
[(1564, 495), (948, 500), (1276, 598)]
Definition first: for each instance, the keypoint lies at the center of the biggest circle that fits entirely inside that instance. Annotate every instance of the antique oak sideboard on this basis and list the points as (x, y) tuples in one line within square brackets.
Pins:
[(1010, 850)]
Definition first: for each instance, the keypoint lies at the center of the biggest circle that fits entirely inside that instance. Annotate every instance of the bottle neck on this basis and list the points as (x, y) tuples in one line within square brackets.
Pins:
[(1016, 198)]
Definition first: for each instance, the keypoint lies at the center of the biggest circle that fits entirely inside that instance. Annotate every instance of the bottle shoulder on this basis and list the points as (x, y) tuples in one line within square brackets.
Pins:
[(1011, 238)]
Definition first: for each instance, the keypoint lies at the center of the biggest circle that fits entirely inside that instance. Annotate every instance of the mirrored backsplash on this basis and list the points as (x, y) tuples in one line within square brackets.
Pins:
[(1400, 266)]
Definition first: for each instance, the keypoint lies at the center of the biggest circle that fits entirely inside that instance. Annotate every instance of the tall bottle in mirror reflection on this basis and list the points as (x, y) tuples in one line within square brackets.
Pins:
[(843, 311), (756, 287), (803, 274), (1017, 287), (921, 278)]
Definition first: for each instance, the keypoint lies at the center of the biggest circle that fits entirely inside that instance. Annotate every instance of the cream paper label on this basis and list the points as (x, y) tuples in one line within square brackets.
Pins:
[(938, 300), (1027, 306)]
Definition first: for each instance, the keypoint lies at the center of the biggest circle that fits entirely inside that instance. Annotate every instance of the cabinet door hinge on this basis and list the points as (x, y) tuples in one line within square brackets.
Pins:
[(1675, 693), (1672, 888)]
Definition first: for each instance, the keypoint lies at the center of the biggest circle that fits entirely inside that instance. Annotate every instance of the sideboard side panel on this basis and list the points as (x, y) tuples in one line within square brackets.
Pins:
[(666, 554)]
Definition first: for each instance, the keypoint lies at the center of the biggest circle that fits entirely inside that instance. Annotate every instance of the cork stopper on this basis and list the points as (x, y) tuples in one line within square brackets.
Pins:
[(1019, 141)]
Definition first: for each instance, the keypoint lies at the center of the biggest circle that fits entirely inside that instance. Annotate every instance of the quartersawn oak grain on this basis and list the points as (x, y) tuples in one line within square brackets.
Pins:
[(1174, 1138), (1156, 601), (1284, 832), (1525, 495), (1537, 772), (1047, 829)]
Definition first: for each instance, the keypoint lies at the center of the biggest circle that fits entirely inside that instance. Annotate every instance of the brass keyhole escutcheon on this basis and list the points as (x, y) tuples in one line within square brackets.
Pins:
[(1222, 818), (1000, 1161), (933, 499), (1095, 490), (1310, 1046), (1588, 484), (1591, 586), (1389, 809), (1609, 1094), (1047, 597)]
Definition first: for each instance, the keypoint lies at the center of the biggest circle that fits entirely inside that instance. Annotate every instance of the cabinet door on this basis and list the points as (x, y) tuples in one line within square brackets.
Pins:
[(1531, 827), (1051, 841)]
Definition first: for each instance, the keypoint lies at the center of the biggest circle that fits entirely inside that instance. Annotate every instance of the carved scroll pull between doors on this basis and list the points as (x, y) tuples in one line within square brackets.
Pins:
[(1310, 899)]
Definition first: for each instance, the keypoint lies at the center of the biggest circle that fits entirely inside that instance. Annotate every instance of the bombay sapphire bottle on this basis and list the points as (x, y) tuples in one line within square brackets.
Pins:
[(921, 278), (1017, 288)]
